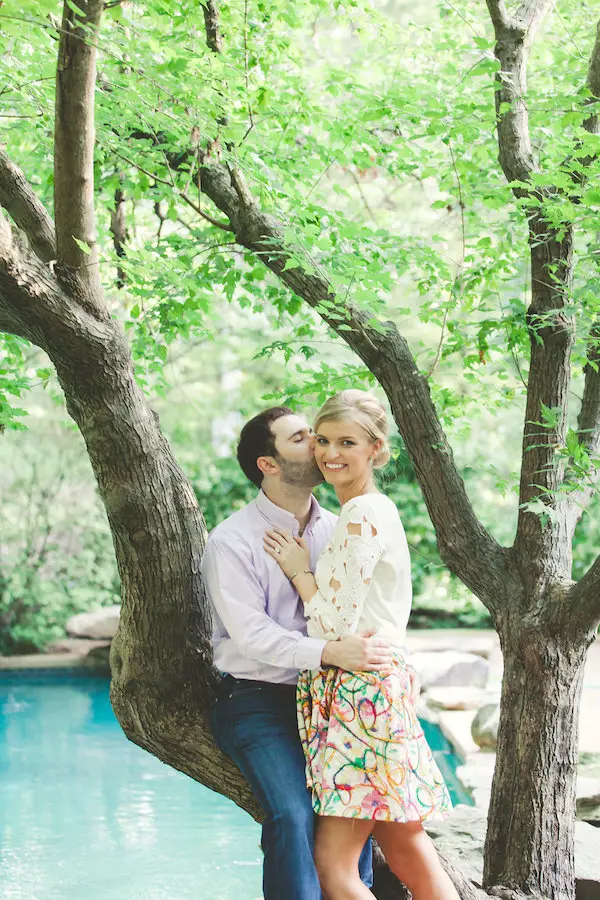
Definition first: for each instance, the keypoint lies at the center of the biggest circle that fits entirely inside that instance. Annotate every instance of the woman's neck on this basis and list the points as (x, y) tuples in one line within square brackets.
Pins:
[(350, 491)]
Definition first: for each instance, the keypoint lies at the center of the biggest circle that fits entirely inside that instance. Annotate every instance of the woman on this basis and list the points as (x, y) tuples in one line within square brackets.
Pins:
[(367, 762)]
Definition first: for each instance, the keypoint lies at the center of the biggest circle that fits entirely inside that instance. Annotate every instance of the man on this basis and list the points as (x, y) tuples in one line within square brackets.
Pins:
[(260, 642)]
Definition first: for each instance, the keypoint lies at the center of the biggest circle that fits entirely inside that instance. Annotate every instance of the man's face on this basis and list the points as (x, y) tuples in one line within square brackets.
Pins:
[(295, 451)]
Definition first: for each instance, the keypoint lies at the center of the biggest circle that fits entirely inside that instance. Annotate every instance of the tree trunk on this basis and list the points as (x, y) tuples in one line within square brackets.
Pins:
[(530, 838)]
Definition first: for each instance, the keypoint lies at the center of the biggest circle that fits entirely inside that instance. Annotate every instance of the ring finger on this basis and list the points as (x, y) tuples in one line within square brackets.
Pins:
[(272, 546)]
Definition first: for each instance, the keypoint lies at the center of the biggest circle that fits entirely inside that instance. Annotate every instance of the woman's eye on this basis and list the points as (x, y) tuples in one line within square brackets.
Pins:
[(348, 443), (321, 441)]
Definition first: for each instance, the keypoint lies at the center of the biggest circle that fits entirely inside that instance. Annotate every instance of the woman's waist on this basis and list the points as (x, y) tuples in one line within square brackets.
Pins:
[(394, 634), (397, 666)]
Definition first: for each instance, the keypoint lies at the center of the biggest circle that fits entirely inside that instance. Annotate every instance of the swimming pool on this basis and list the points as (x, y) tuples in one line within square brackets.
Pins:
[(86, 814)]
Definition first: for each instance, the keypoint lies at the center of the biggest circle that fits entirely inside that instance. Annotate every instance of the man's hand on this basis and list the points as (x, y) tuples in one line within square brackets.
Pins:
[(364, 652)]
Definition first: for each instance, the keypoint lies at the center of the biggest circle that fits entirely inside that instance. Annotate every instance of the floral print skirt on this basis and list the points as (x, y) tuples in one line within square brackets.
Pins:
[(366, 754)]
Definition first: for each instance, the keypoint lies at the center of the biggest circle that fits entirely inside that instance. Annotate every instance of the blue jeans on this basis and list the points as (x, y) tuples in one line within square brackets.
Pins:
[(255, 723)]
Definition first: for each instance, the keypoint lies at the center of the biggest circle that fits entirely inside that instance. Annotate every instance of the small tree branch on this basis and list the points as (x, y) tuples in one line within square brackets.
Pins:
[(588, 422), (118, 228), (25, 209), (592, 124), (584, 599), (210, 8), (74, 138), (499, 15)]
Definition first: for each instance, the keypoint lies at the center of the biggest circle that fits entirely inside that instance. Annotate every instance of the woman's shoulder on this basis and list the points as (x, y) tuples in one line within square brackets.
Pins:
[(373, 505)]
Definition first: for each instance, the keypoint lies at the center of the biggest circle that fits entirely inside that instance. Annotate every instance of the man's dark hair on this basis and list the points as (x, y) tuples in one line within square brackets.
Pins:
[(257, 439)]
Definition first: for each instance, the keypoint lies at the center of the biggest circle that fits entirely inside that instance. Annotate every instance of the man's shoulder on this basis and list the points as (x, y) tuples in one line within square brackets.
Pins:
[(236, 526)]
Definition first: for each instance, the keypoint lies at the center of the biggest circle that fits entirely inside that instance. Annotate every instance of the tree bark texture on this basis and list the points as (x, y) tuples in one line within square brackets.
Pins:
[(74, 138), (530, 839)]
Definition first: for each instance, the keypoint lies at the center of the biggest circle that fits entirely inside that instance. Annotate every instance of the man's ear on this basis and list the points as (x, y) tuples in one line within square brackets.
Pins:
[(267, 465)]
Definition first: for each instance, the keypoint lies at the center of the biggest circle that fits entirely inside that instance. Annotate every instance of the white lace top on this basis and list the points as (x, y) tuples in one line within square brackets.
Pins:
[(363, 575)]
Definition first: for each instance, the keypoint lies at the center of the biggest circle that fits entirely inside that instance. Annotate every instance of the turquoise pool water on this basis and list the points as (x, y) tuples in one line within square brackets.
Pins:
[(85, 815)]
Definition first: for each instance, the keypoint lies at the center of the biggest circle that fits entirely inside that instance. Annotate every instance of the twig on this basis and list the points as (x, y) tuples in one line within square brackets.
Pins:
[(247, 78), (460, 265)]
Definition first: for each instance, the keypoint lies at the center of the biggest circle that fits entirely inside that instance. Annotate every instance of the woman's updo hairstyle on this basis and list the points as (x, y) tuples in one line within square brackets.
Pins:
[(364, 409)]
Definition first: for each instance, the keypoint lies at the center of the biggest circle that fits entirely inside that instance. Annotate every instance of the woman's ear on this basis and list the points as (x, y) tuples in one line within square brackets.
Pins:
[(376, 448)]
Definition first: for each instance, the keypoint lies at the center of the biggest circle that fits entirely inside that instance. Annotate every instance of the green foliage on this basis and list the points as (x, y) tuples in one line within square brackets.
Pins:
[(369, 131), (56, 554)]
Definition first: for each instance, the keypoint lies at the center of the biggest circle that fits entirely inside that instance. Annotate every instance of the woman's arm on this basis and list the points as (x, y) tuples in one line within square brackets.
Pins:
[(336, 599)]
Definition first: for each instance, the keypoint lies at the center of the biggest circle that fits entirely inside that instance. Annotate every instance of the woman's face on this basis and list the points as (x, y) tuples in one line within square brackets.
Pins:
[(344, 452)]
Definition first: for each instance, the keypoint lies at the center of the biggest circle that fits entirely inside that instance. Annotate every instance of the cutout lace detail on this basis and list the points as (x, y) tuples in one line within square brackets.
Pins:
[(344, 571)]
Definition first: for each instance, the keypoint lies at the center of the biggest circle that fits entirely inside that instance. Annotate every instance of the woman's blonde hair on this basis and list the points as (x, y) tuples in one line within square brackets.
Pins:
[(364, 409)]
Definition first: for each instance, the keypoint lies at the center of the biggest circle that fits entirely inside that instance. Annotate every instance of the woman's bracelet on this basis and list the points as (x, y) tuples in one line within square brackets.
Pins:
[(305, 572)]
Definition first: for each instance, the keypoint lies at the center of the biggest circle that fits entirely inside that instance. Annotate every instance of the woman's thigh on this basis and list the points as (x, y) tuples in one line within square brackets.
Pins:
[(339, 842), (405, 844)]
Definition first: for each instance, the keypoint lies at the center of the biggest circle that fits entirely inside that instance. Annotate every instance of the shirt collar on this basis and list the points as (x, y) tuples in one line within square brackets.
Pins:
[(281, 518)]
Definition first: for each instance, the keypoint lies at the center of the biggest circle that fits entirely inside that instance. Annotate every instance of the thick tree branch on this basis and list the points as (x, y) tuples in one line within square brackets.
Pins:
[(25, 209), (462, 540), (551, 331), (588, 422), (77, 250), (514, 36), (37, 305)]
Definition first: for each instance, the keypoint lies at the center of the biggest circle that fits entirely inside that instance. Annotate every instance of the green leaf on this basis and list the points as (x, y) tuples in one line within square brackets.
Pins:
[(82, 246)]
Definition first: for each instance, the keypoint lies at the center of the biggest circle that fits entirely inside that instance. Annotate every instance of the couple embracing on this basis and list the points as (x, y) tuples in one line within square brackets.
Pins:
[(315, 706)]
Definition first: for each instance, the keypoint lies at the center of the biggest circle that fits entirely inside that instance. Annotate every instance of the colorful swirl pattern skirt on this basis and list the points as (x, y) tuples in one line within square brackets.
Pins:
[(366, 754)]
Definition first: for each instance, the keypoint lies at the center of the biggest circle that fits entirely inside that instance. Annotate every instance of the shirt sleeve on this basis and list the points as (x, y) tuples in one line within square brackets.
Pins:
[(344, 572), (238, 598)]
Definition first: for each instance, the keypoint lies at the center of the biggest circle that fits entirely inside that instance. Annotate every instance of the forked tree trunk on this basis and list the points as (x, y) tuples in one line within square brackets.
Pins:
[(530, 838)]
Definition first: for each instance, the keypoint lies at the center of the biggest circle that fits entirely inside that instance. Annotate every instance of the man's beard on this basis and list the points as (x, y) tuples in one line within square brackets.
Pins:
[(296, 474)]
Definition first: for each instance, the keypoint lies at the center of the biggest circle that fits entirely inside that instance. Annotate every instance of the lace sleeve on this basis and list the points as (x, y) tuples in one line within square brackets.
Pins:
[(344, 572)]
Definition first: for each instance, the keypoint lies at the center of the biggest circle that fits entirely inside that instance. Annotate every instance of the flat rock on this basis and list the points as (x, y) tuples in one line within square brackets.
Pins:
[(450, 668), (476, 775), (484, 727), (588, 800), (463, 640), (461, 837), (455, 698), (101, 624)]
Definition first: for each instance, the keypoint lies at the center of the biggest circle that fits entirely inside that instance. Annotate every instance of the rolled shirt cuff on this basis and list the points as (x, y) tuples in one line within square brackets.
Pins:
[(309, 652)]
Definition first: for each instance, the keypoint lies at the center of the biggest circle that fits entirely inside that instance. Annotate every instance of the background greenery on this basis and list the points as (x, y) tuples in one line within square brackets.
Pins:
[(369, 130)]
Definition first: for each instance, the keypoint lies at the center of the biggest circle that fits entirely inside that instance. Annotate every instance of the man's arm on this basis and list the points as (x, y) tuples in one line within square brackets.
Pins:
[(239, 600)]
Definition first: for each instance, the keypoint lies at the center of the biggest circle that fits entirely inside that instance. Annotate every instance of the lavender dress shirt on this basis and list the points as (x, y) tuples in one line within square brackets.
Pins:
[(259, 628)]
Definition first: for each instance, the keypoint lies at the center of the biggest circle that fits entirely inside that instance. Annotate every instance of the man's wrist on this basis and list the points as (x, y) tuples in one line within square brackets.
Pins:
[(329, 655)]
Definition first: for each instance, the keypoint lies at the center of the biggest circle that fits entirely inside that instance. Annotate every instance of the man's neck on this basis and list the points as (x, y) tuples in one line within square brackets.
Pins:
[(295, 500)]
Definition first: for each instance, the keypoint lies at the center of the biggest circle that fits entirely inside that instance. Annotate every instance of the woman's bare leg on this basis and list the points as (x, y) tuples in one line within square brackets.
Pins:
[(338, 845), (410, 854)]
